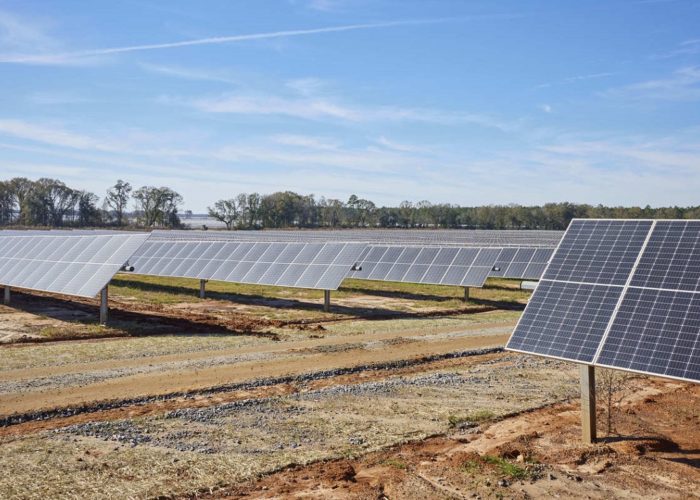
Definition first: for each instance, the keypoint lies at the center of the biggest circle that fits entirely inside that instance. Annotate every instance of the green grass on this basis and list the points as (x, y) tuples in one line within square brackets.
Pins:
[(396, 463), (507, 468), (166, 290), (474, 417)]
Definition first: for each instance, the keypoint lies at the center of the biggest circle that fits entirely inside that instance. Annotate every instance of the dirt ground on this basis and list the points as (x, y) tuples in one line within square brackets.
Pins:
[(395, 394), (654, 453)]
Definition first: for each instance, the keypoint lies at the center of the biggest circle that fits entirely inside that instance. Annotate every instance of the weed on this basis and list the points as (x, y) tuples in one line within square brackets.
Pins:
[(395, 463), (507, 468), (471, 466), (474, 417)]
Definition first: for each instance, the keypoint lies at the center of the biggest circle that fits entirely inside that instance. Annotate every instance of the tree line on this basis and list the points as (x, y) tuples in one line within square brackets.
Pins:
[(288, 209), (51, 203)]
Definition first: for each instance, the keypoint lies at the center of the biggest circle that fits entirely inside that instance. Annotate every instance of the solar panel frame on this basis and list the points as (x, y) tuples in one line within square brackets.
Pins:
[(627, 331)]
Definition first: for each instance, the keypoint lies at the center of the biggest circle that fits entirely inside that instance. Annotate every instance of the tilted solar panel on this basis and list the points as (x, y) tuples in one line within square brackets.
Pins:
[(291, 264), (630, 288), (73, 263), (524, 263), (425, 237), (427, 264)]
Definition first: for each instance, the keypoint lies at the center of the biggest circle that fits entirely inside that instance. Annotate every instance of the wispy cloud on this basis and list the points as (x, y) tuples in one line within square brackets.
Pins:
[(682, 85), (306, 141), (325, 5), (398, 146), (55, 136), (546, 108), (190, 73), (18, 34), (574, 79), (52, 98), (325, 108), (68, 57), (686, 48)]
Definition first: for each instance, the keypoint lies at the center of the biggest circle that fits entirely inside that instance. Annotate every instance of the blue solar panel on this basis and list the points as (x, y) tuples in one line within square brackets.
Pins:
[(622, 294), (565, 320), (598, 251)]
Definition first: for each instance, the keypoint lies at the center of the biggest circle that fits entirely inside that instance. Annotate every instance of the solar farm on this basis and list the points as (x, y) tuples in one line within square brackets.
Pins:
[(352, 363)]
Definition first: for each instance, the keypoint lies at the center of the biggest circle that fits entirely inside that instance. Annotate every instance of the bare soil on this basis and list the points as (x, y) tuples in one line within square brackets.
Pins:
[(654, 454)]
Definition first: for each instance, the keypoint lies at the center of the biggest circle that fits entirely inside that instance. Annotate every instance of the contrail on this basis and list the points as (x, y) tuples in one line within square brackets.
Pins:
[(63, 57)]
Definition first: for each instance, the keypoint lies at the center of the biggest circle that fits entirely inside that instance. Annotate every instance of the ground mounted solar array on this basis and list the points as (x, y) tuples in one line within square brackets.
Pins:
[(426, 264), (77, 263), (427, 237), (301, 265), (621, 294), (419, 256), (82, 262)]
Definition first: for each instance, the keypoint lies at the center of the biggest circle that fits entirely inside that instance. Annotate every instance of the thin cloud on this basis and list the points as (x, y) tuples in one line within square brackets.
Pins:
[(574, 79), (67, 57), (189, 73), (322, 108), (682, 85), (686, 48)]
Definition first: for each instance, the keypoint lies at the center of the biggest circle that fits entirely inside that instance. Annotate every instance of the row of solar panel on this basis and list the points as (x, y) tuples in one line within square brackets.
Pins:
[(301, 265), (82, 262), (429, 265), (78, 264), (622, 294), (435, 237)]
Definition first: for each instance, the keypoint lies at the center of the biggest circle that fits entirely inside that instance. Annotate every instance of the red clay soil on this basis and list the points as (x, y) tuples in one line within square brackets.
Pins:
[(655, 454)]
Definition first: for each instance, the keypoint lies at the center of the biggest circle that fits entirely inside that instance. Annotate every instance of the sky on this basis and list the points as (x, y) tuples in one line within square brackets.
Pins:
[(464, 102)]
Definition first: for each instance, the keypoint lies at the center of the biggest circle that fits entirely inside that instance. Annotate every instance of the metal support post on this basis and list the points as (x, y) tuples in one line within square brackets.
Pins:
[(104, 296), (327, 300), (588, 414), (202, 289), (6, 296), (466, 293)]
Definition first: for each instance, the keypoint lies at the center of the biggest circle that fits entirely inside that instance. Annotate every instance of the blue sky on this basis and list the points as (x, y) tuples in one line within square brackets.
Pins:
[(467, 102)]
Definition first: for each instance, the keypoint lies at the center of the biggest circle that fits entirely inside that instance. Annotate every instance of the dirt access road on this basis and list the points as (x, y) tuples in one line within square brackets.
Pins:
[(64, 384)]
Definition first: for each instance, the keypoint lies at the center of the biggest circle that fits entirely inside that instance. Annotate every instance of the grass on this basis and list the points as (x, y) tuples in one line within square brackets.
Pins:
[(502, 466), (506, 468), (475, 417), (396, 463), (402, 296)]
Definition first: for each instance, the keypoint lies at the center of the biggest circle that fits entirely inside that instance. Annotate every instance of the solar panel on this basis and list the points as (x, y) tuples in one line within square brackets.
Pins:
[(524, 263), (428, 265), (621, 294), (291, 264), (69, 262), (424, 237)]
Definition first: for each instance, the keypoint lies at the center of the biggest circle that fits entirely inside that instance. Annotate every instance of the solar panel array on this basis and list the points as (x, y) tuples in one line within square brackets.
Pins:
[(526, 263), (428, 265), (290, 264), (621, 294), (73, 263), (525, 253), (427, 237)]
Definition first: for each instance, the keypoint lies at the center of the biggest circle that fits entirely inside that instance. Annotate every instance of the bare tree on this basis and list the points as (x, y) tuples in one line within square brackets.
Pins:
[(225, 211), (117, 200), (612, 387)]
